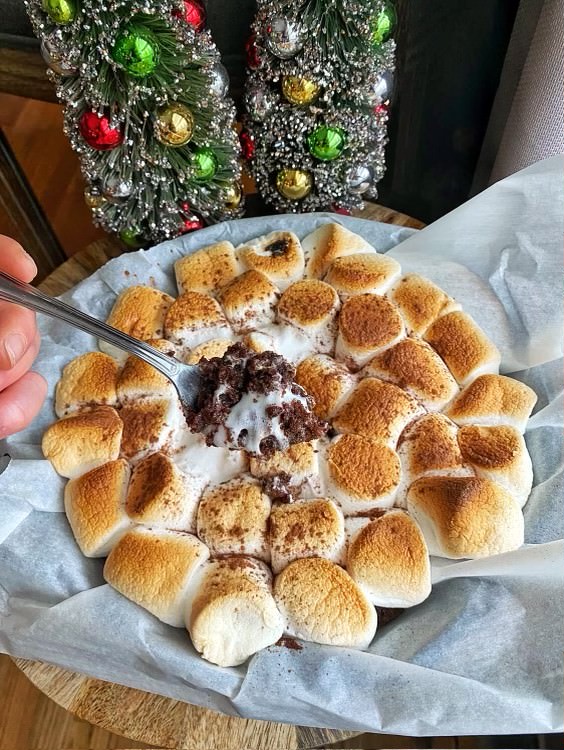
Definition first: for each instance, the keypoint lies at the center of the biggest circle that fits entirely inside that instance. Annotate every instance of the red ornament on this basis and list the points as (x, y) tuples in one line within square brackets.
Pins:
[(381, 109), (253, 57), (247, 145), (340, 210), (193, 13), (191, 224), (186, 207), (97, 131)]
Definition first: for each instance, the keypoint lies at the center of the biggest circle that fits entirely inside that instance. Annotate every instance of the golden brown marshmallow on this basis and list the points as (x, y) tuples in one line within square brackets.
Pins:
[(95, 507), (87, 380), (83, 441), (464, 347), (140, 312), (208, 269), (157, 569), (368, 324), (278, 255), (420, 302)]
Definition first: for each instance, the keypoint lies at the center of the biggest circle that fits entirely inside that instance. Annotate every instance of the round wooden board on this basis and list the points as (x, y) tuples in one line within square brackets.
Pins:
[(147, 717)]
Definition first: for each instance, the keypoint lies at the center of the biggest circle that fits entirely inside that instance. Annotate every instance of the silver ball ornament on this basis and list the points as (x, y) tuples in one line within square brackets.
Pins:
[(219, 80), (54, 59), (117, 189), (359, 179), (383, 86), (260, 102), (284, 38)]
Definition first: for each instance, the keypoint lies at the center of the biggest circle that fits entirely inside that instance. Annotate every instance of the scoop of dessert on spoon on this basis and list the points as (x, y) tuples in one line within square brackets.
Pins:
[(242, 400)]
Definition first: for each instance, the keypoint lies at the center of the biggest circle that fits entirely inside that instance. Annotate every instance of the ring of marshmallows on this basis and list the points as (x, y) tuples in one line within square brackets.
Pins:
[(425, 455)]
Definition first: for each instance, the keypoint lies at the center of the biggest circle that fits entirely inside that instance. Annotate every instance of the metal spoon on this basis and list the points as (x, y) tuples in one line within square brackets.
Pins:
[(186, 378)]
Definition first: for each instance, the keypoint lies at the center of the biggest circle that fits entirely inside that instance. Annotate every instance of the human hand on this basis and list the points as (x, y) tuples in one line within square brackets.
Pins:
[(21, 392)]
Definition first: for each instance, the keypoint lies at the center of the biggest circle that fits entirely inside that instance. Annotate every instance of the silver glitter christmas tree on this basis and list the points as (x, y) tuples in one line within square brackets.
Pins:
[(317, 95), (146, 110)]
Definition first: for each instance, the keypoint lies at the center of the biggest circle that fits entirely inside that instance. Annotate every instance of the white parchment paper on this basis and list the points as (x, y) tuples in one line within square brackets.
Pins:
[(483, 655)]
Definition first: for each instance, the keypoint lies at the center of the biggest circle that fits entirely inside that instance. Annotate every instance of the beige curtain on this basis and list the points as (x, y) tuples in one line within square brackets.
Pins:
[(526, 123)]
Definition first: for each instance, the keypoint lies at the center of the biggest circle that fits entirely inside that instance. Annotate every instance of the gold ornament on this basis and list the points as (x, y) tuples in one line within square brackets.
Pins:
[(294, 184), (174, 125), (232, 196), (93, 200), (298, 90)]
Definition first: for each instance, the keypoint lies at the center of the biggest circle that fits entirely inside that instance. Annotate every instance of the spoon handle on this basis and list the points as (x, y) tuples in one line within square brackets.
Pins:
[(14, 290)]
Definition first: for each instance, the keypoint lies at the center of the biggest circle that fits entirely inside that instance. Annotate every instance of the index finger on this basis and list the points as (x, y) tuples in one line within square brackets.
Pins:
[(15, 261)]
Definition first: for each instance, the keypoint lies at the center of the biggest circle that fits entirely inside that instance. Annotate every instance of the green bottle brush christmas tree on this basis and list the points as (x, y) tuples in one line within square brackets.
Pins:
[(317, 97), (147, 111)]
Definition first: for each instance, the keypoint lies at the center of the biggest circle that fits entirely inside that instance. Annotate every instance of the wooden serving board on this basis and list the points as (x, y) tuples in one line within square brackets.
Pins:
[(146, 717)]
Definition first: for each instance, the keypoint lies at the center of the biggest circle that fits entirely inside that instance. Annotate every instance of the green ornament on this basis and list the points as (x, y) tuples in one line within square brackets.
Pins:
[(205, 163), (131, 237), (136, 50), (384, 24), (61, 11), (327, 143)]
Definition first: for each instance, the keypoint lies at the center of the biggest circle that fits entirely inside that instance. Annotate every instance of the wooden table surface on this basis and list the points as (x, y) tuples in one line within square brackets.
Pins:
[(143, 716)]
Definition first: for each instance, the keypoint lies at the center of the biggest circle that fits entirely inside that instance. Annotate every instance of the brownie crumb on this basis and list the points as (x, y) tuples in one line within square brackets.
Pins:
[(290, 643), (387, 614), (226, 380), (279, 488)]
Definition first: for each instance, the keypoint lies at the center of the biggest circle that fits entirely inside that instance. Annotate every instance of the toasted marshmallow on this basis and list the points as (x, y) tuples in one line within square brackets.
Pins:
[(233, 518), (389, 560), (429, 446), (360, 473), (493, 400), (415, 366), (420, 302), (160, 495), (83, 441), (328, 242), (320, 602), (309, 528), (95, 507), (194, 318), (87, 380), (364, 273), (278, 255), (465, 517), (311, 306), (327, 381), (376, 409), (208, 269), (208, 350), (368, 324), (283, 339), (465, 348), (156, 568), (233, 614), (249, 301), (499, 453), (298, 465), (150, 426), (139, 311), (216, 464), (138, 379)]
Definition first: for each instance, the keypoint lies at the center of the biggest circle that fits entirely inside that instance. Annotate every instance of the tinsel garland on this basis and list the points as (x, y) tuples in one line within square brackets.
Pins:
[(335, 51), (155, 186)]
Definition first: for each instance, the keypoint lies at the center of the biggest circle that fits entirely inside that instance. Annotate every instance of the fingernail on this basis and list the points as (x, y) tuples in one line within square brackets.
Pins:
[(29, 259), (15, 347)]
